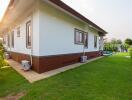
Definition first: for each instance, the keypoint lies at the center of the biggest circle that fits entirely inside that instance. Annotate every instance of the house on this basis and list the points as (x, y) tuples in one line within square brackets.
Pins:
[(49, 34)]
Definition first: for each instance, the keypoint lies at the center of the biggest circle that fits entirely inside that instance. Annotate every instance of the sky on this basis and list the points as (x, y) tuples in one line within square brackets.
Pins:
[(3, 6), (114, 16)]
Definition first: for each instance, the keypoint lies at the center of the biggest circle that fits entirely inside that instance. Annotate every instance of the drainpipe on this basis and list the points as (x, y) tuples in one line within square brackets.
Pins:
[(83, 59), (31, 53), (84, 49)]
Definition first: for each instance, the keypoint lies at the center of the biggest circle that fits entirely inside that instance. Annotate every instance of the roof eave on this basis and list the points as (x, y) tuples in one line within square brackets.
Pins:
[(75, 13)]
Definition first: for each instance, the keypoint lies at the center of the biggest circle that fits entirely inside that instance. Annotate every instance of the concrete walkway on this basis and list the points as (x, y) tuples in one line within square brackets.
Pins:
[(32, 76)]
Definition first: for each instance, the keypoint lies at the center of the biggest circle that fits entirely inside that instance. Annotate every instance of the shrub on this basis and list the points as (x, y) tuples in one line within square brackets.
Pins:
[(2, 60), (130, 51)]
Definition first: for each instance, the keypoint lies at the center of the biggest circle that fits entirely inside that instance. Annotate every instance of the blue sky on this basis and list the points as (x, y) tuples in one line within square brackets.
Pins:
[(115, 16)]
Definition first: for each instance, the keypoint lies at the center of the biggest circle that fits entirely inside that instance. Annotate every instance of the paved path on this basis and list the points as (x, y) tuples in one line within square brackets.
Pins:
[(33, 76)]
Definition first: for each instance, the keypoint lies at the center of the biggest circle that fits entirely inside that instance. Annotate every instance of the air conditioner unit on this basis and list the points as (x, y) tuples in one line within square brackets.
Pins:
[(84, 59), (7, 56), (25, 65)]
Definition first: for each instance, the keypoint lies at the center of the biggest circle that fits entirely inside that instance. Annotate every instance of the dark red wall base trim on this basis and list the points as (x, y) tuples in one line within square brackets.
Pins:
[(46, 63)]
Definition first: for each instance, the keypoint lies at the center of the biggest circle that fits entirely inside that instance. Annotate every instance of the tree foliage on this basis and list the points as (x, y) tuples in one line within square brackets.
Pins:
[(119, 42), (114, 45), (2, 61), (130, 51), (128, 42)]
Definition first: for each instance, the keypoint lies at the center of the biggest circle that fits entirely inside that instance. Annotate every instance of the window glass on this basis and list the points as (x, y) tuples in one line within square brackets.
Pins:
[(28, 34), (81, 37), (18, 32), (95, 41), (12, 39)]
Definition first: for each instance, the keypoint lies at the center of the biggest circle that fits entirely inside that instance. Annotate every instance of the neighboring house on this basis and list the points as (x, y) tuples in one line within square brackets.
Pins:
[(49, 33)]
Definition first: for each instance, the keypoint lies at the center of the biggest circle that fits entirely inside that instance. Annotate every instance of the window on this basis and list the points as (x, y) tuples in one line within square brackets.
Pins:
[(18, 32), (8, 37), (95, 41), (78, 37), (86, 40), (4, 40), (12, 39), (28, 34), (81, 37)]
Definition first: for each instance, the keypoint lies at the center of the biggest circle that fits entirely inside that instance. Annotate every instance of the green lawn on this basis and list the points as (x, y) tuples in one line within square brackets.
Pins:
[(109, 78)]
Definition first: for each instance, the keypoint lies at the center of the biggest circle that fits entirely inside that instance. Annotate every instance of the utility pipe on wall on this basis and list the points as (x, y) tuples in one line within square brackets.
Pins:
[(31, 51)]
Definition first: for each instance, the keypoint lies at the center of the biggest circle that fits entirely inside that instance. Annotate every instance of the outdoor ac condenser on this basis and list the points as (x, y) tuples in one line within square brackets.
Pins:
[(84, 59), (26, 65), (7, 56)]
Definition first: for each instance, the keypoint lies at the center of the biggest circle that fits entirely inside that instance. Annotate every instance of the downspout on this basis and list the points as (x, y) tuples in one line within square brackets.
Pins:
[(83, 56), (84, 48), (84, 42), (31, 53)]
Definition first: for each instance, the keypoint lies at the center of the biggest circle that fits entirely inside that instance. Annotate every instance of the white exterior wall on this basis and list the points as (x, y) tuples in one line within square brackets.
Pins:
[(53, 32), (35, 29), (5, 40), (57, 32), (20, 42)]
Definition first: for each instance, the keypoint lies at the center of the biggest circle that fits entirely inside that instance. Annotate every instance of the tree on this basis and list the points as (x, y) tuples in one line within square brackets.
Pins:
[(130, 51), (114, 41), (114, 45), (119, 42), (128, 42)]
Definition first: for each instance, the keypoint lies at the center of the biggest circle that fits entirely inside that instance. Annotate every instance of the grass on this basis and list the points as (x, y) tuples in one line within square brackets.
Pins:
[(109, 78)]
